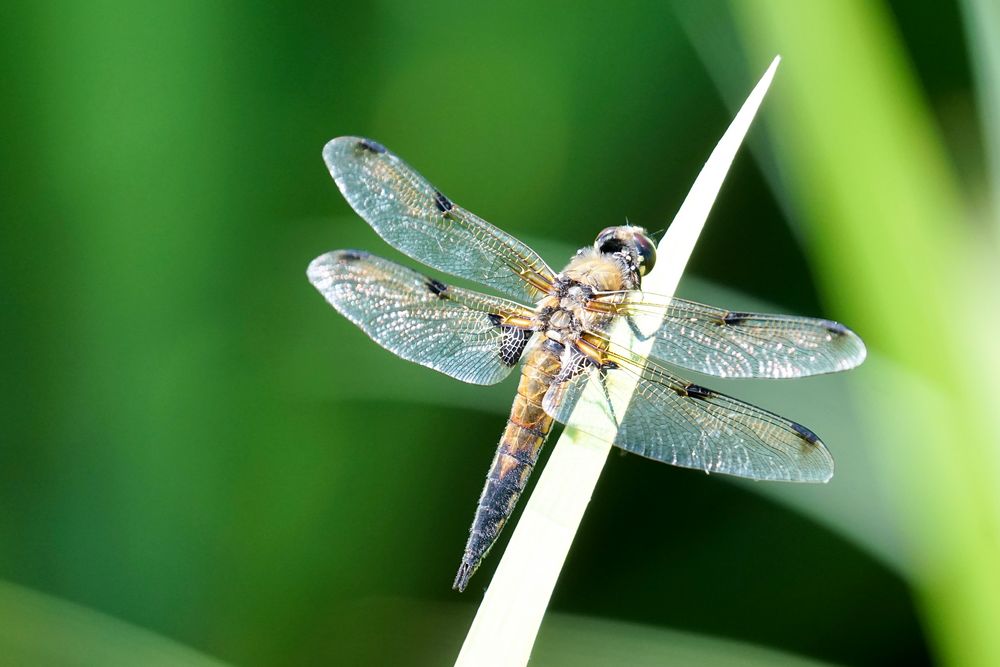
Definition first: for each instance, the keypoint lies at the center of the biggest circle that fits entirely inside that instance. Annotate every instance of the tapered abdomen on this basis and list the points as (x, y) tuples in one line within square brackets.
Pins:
[(521, 442)]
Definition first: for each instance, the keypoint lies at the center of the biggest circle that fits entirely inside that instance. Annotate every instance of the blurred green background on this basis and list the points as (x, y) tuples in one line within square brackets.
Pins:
[(201, 463)]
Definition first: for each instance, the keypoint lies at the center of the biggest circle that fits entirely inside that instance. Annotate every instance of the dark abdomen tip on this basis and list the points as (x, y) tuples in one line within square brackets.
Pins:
[(465, 572)]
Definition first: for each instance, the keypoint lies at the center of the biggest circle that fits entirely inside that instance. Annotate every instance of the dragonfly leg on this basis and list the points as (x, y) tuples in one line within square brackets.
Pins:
[(602, 375), (634, 328)]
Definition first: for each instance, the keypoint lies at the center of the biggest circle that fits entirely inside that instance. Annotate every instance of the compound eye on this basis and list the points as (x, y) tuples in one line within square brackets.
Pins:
[(647, 253), (609, 241)]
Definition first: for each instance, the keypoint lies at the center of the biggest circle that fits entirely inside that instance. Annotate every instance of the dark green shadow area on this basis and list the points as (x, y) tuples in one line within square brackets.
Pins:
[(659, 547)]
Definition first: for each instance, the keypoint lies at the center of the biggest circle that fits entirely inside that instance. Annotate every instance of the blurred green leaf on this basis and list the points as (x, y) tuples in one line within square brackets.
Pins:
[(891, 243), (982, 24), (430, 634), (40, 630)]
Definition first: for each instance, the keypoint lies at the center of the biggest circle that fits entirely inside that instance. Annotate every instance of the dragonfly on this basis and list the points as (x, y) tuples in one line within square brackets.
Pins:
[(558, 327)]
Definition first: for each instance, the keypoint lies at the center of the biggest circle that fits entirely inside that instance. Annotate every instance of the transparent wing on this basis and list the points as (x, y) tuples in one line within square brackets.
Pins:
[(459, 332), (728, 343), (414, 217), (671, 420)]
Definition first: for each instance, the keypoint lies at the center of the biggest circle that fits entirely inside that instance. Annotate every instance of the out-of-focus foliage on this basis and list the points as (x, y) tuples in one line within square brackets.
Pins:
[(893, 238), (195, 451), (40, 630)]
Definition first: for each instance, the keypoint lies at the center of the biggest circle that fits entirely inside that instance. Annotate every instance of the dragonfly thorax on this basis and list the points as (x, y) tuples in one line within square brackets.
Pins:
[(563, 324), (563, 315)]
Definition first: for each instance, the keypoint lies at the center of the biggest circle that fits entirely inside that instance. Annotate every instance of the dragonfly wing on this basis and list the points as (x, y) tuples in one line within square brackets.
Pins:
[(671, 420), (417, 219), (458, 332), (728, 343)]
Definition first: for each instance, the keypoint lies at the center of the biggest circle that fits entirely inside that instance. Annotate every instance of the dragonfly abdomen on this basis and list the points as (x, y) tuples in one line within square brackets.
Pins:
[(527, 429)]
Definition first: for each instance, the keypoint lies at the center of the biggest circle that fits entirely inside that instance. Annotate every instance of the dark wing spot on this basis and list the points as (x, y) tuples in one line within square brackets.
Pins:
[(443, 203), (351, 255), (735, 318), (437, 288), (609, 366), (495, 319), (512, 343), (805, 433), (836, 328), (373, 146), (697, 391)]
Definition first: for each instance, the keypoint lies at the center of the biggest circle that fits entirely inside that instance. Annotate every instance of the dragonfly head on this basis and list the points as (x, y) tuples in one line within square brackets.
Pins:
[(631, 240)]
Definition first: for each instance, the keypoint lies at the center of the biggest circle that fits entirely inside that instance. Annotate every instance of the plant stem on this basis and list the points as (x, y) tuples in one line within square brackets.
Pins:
[(507, 623)]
